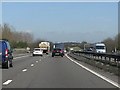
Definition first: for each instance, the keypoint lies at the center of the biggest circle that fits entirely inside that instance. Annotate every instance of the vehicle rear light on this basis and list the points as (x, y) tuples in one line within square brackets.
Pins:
[(6, 52), (61, 51)]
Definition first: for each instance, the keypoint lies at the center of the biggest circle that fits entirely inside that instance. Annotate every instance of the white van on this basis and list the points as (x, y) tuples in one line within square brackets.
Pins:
[(100, 48)]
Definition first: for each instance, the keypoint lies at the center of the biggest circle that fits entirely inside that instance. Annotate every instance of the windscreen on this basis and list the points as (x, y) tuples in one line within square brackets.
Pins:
[(36, 49), (100, 47), (60, 46)]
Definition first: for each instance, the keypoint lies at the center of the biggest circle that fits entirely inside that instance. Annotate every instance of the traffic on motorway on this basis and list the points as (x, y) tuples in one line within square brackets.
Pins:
[(44, 69)]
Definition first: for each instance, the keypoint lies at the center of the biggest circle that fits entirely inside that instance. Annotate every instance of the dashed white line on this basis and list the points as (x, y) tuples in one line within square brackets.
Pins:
[(32, 65), (36, 61), (7, 82), (24, 70), (95, 73)]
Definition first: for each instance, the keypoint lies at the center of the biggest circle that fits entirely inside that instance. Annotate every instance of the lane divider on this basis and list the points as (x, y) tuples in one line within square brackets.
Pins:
[(7, 82), (95, 73), (36, 61), (32, 65)]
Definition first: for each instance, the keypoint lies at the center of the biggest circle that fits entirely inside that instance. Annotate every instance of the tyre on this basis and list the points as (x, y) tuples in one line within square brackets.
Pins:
[(11, 65), (61, 55), (5, 65), (33, 55), (52, 55)]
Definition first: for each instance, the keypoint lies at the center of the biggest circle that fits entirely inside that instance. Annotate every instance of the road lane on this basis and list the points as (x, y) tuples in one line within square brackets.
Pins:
[(56, 72), (18, 65)]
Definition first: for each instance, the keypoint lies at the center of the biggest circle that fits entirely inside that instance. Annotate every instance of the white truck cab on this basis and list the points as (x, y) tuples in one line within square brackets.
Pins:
[(100, 48)]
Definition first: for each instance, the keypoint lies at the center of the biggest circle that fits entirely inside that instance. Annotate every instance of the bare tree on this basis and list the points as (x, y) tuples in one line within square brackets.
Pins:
[(9, 33), (110, 44)]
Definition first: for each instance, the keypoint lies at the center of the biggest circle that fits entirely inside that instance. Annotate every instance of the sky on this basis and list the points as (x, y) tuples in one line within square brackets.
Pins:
[(63, 21)]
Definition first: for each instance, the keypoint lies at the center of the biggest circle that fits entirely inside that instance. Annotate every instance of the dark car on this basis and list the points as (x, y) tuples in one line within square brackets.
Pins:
[(57, 52), (5, 54)]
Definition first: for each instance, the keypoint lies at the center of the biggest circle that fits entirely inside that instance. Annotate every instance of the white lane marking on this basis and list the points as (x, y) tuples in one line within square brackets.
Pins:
[(95, 73), (20, 57), (32, 65), (7, 82), (36, 61), (24, 70)]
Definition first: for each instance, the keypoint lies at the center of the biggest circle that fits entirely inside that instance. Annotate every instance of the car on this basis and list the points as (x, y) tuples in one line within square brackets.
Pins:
[(6, 55), (37, 51), (57, 52)]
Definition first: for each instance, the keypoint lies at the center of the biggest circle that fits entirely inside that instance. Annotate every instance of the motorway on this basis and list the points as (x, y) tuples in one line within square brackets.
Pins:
[(49, 72)]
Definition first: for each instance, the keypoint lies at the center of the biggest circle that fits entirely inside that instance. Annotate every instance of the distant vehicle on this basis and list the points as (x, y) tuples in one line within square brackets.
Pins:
[(28, 50), (5, 54), (57, 52), (96, 47), (37, 51), (89, 50), (100, 48), (45, 46)]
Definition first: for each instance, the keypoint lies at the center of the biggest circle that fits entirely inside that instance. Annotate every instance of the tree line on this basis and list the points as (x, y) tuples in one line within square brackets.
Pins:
[(17, 39), (113, 44), (20, 39)]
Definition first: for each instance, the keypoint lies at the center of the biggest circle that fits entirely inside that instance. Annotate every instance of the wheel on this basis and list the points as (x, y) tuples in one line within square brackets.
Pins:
[(33, 55), (52, 55), (6, 65), (11, 65)]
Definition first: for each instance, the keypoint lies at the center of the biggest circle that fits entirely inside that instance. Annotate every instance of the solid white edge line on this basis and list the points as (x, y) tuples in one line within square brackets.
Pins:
[(7, 82), (24, 70), (95, 73)]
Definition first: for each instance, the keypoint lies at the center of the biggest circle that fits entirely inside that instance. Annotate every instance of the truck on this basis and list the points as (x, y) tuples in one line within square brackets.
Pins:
[(45, 46), (100, 48)]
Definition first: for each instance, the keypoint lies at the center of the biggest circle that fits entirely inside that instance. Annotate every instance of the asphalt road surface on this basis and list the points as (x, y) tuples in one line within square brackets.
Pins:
[(49, 72)]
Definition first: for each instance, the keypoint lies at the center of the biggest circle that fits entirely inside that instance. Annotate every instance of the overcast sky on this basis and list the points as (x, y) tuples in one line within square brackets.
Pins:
[(63, 21)]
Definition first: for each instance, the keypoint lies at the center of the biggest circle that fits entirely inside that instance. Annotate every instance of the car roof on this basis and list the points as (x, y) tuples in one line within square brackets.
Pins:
[(3, 40)]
